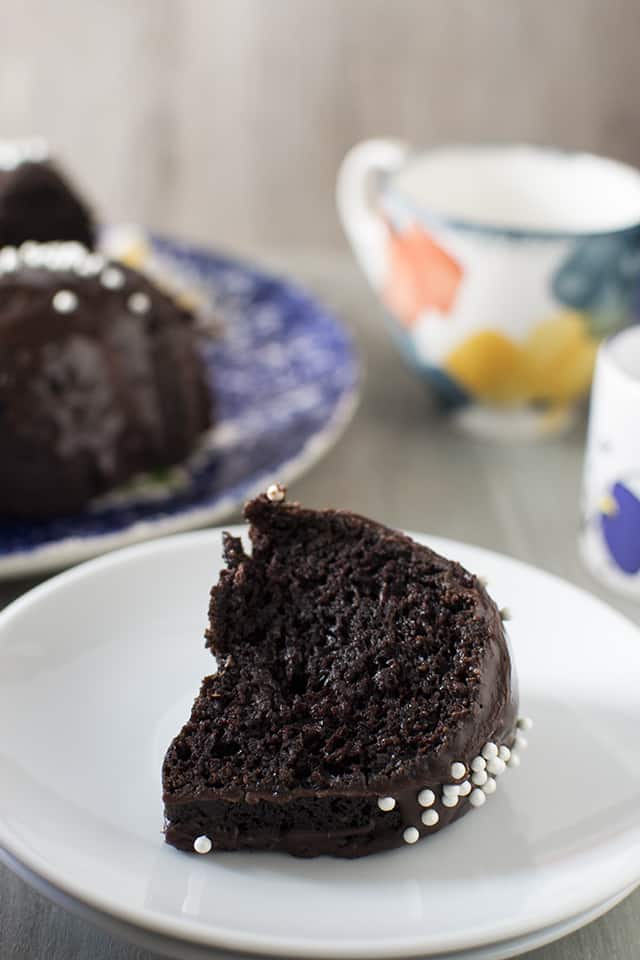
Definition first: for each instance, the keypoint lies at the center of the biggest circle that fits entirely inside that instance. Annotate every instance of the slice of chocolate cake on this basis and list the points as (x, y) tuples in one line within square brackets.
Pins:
[(364, 697), (101, 379), (36, 201)]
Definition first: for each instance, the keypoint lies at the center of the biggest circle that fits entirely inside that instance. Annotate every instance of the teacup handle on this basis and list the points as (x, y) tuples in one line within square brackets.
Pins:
[(355, 198)]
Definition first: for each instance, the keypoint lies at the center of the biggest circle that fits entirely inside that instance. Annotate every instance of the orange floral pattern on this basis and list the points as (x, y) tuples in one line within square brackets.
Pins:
[(422, 275)]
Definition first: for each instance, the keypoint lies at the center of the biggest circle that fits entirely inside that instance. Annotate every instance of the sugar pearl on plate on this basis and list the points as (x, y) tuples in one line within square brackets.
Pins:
[(464, 789), (489, 750), (504, 753), (139, 302), (477, 798), (429, 817), (458, 770), (202, 845), (410, 835), (496, 766), (524, 723), (64, 301), (112, 278), (386, 804), (505, 614), (426, 798), (521, 742), (451, 790), (490, 786), (479, 778), (478, 763), (276, 493), (449, 800), (514, 760)]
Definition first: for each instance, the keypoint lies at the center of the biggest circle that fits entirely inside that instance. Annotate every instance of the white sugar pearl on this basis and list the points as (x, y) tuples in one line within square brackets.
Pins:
[(465, 788), (410, 835), (525, 723), (496, 766), (451, 790), (489, 750), (458, 770), (479, 778), (449, 800), (477, 798), (90, 265), (521, 742), (32, 254), (504, 753), (386, 804), (483, 580), (514, 760), (8, 259), (490, 786), (64, 301), (276, 493), (426, 798), (139, 303), (429, 817), (505, 614), (202, 845), (112, 278), (478, 763), (64, 256)]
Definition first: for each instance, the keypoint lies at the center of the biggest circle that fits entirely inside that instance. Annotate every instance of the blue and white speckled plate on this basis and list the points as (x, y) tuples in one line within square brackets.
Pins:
[(285, 375)]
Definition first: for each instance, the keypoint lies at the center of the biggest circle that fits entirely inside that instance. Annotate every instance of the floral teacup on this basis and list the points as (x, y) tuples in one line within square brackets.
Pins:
[(502, 267)]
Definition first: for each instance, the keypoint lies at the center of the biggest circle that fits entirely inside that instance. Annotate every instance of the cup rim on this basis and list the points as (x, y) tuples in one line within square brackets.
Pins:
[(498, 230)]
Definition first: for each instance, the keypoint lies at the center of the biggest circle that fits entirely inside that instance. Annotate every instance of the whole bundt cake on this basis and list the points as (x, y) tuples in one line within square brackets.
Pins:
[(364, 697), (36, 201), (101, 378)]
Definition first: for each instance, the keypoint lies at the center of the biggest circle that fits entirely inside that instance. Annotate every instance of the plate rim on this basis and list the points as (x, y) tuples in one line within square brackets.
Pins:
[(171, 947), (60, 554), (252, 944)]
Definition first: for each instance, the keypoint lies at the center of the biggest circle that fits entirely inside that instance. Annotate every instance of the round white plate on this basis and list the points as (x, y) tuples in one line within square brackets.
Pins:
[(98, 668)]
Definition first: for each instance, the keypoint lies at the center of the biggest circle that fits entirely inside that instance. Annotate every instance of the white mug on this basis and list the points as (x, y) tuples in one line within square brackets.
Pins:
[(610, 536), (501, 268)]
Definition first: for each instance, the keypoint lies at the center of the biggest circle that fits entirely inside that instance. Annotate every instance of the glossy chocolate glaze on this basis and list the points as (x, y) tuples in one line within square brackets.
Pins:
[(38, 203), (91, 397), (236, 817)]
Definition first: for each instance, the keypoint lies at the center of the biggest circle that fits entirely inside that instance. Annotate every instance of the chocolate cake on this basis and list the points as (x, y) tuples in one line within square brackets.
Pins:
[(36, 201), (364, 697), (100, 378)]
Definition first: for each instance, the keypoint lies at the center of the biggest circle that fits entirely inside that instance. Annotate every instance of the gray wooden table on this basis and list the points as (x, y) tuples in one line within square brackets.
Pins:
[(400, 463)]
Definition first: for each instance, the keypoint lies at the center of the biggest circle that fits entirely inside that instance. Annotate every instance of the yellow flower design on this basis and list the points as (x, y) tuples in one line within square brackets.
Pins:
[(554, 365)]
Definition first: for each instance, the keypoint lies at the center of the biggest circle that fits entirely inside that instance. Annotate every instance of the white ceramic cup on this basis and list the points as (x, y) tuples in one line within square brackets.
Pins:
[(501, 269), (610, 536)]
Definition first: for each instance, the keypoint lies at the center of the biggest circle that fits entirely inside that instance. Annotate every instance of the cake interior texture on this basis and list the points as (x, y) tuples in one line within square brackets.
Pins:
[(353, 664)]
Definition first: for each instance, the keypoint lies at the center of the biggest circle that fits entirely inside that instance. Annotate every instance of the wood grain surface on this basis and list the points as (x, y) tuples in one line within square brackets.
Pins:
[(400, 463), (226, 120)]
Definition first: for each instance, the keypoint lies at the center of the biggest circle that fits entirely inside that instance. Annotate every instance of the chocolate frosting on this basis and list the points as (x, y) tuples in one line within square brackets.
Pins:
[(91, 396)]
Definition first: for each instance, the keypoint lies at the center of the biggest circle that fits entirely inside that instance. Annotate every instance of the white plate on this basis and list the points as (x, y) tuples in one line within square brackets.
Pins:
[(98, 668), (188, 950)]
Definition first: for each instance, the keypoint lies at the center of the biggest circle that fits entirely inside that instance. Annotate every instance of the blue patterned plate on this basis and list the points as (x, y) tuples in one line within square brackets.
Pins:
[(285, 376)]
